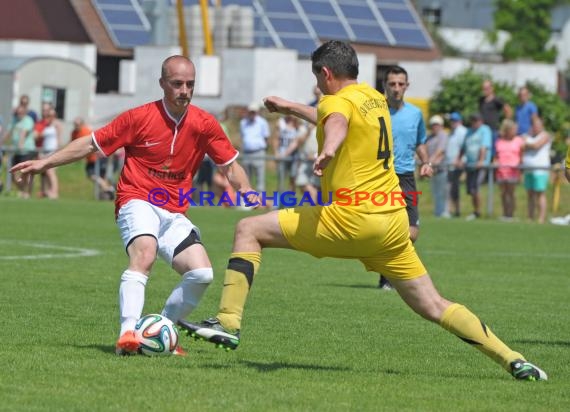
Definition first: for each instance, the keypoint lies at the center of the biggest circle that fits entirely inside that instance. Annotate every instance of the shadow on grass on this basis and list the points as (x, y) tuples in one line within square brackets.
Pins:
[(338, 285), (543, 342), (101, 348), (275, 366)]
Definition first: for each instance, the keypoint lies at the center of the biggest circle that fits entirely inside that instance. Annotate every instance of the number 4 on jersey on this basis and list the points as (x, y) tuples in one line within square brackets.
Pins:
[(383, 144)]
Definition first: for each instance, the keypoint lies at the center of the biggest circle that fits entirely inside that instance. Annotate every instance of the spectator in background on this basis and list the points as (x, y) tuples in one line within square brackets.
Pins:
[(409, 134), (307, 147), (51, 138), (477, 152), (525, 111), (317, 96), (287, 130), (537, 158), (1, 153), (25, 102), (207, 171), (435, 144), (492, 109), (106, 189), (254, 131), (455, 142), (567, 171), (20, 135), (508, 158)]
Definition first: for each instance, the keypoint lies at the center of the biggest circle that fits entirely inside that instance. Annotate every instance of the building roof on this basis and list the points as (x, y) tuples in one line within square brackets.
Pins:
[(73, 21), (41, 20)]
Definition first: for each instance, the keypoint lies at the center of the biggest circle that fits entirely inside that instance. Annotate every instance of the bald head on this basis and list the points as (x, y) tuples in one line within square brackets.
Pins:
[(174, 63), (178, 76)]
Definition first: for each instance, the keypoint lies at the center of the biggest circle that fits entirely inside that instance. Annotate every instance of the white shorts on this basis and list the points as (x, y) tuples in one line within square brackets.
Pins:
[(138, 217)]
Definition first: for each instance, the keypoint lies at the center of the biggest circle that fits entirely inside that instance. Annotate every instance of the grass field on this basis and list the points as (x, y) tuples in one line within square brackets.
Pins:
[(317, 335)]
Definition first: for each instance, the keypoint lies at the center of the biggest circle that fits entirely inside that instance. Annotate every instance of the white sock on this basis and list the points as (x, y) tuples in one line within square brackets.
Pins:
[(131, 299), (186, 295)]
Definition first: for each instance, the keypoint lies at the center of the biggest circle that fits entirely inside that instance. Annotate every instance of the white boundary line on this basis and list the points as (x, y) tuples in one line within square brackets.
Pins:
[(73, 252)]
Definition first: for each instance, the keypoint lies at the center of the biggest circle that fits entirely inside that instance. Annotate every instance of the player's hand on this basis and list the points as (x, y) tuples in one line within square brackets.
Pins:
[(321, 162), (277, 104), (24, 170), (426, 170), (252, 198)]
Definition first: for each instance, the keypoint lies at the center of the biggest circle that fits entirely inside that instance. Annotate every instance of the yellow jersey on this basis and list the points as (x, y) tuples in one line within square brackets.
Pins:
[(361, 174), (568, 159)]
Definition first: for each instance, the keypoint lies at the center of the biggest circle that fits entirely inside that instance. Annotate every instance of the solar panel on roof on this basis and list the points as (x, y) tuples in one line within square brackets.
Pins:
[(125, 21), (409, 37), (356, 12), (397, 16), (303, 46), (330, 30), (281, 6), (369, 34), (317, 8), (288, 25), (292, 23)]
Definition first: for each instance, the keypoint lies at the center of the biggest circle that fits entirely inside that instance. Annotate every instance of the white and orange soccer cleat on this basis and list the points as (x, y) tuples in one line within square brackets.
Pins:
[(179, 351), (128, 344)]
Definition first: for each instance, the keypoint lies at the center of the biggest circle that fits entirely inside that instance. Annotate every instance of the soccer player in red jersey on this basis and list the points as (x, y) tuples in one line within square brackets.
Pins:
[(164, 142)]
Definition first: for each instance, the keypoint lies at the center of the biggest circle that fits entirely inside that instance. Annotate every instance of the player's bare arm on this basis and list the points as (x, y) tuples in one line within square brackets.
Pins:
[(238, 179), (277, 104), (426, 169), (75, 150), (335, 128)]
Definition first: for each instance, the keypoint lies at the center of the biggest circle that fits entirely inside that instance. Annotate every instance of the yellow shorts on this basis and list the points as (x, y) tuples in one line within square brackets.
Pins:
[(381, 241)]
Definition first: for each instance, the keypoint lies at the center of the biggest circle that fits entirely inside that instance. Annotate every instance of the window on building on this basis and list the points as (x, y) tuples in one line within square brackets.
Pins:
[(55, 96), (432, 15)]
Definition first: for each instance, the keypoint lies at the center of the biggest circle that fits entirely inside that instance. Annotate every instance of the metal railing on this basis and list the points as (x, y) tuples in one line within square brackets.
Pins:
[(556, 168)]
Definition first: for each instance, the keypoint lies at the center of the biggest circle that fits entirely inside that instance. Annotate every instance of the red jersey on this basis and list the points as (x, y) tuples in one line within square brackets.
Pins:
[(161, 155)]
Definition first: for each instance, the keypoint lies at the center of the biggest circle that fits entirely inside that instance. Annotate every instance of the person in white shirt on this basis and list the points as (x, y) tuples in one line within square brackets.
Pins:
[(537, 159)]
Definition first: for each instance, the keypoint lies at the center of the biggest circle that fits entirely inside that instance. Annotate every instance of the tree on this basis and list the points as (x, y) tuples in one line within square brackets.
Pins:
[(529, 23)]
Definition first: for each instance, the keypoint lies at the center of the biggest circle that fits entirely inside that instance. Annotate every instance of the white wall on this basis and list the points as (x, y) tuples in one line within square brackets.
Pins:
[(251, 74), (425, 77), (85, 54)]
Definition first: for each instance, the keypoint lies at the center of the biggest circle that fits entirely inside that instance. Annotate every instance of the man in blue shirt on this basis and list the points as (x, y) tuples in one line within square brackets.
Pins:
[(525, 111), (409, 134), (477, 151)]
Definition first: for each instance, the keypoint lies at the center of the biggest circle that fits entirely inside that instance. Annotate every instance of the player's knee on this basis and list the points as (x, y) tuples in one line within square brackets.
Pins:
[(243, 228), (201, 275), (433, 310)]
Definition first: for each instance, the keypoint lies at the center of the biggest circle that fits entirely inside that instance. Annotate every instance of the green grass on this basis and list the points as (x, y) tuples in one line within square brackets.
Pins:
[(317, 334)]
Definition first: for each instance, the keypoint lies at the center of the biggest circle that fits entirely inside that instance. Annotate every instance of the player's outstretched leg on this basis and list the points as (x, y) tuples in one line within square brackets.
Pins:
[(423, 298), (223, 330)]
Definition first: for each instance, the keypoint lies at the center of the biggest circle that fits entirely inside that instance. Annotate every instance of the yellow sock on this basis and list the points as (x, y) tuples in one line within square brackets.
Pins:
[(458, 320), (242, 267)]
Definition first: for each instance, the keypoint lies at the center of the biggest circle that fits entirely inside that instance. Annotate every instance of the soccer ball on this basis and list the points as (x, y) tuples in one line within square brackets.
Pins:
[(157, 335)]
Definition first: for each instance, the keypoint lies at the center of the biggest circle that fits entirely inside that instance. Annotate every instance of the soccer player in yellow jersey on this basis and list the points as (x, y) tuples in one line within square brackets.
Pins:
[(355, 163)]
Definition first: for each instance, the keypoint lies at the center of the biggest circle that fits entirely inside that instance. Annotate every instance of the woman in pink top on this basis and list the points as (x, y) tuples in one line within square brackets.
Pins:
[(508, 157)]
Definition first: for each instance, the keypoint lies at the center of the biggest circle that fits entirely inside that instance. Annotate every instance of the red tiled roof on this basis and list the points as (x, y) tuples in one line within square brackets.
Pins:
[(52, 20)]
